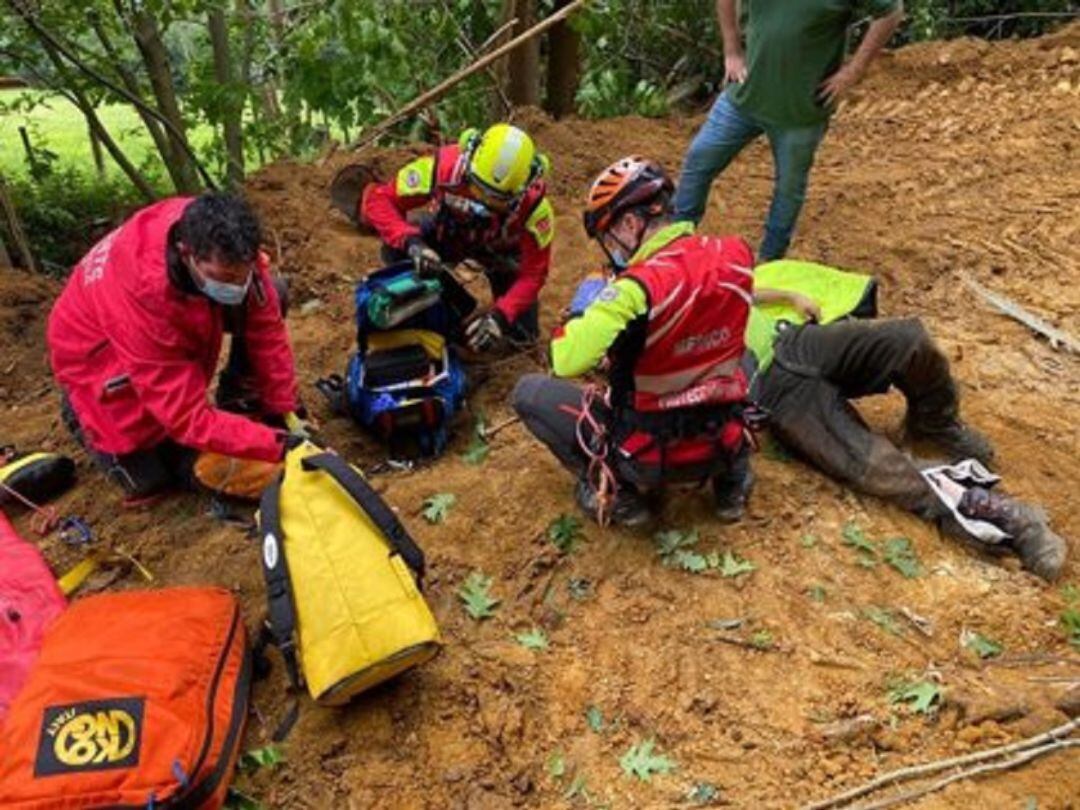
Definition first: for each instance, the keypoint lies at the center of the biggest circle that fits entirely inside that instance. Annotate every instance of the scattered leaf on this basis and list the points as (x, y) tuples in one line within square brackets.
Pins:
[(703, 793), (556, 765), (478, 448), (884, 619), (595, 718), (438, 506), (920, 698), (688, 561), (535, 639), (808, 540), (732, 565), (641, 763), (854, 536), (670, 541), (579, 588), (258, 758), (900, 554), (564, 533), (476, 596), (816, 592), (982, 646)]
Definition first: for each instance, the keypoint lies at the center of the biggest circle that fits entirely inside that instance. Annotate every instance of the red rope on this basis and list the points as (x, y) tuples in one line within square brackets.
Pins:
[(45, 517), (599, 475)]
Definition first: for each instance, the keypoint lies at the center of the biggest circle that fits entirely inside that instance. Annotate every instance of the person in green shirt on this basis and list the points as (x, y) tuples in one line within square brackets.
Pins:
[(811, 351), (785, 85)]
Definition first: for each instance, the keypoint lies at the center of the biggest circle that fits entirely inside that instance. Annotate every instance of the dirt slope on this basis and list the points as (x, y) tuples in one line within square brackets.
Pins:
[(959, 156)]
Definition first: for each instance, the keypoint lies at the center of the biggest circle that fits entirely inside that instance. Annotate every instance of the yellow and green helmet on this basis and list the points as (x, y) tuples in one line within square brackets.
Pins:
[(502, 161)]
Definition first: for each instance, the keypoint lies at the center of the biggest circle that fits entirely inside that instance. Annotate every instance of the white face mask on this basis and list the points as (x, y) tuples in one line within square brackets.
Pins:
[(229, 295)]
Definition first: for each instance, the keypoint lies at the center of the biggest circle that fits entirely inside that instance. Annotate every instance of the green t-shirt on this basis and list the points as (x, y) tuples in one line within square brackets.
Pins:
[(791, 47)]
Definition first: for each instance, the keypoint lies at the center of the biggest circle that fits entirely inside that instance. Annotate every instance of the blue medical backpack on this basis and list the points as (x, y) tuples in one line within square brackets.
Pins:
[(405, 382)]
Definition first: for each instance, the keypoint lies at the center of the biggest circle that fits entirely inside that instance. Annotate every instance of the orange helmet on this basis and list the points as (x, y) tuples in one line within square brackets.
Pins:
[(633, 182)]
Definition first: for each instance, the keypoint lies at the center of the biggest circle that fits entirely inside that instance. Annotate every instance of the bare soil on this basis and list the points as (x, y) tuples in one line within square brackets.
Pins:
[(951, 157)]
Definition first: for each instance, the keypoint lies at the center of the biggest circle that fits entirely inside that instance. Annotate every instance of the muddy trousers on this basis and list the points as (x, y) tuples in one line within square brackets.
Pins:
[(169, 465), (549, 408), (818, 369)]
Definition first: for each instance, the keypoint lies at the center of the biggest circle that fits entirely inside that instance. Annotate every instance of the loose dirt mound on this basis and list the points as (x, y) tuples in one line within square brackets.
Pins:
[(958, 156)]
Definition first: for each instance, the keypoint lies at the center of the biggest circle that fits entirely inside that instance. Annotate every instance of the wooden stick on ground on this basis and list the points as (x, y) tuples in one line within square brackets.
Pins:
[(933, 787), (440, 90), (1004, 304), (915, 771)]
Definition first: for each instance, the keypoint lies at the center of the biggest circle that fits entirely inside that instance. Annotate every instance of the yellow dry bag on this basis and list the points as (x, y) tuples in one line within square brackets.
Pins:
[(342, 578)]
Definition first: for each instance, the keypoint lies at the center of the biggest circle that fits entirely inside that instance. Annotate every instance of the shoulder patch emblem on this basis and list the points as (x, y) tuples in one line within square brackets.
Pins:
[(412, 179), (608, 294)]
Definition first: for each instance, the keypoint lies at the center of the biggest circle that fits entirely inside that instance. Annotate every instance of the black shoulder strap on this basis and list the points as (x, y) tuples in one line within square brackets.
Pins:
[(361, 492), (282, 612)]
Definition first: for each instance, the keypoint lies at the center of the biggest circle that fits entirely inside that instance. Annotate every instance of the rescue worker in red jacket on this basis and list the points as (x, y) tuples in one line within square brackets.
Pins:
[(670, 329), (134, 340), (484, 199)]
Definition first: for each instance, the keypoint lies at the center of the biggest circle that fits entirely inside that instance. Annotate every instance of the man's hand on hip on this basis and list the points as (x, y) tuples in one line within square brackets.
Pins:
[(735, 71), (836, 86)]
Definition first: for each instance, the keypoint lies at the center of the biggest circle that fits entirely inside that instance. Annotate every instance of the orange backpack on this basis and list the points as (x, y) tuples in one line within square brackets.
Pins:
[(138, 699)]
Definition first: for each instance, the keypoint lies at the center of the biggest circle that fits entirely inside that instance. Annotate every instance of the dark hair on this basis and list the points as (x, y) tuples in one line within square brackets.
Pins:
[(220, 226)]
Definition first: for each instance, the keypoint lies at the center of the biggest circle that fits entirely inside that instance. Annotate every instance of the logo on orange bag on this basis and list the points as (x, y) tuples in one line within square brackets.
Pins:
[(92, 736)]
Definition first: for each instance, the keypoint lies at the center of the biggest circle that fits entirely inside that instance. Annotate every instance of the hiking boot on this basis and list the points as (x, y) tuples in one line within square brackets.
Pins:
[(1040, 550), (731, 494), (958, 440), (629, 509)]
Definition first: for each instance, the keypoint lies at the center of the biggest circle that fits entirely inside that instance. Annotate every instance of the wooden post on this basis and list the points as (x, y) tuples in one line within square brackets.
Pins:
[(14, 226)]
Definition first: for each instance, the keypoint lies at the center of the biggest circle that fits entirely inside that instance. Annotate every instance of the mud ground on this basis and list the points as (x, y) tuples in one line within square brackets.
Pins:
[(952, 157)]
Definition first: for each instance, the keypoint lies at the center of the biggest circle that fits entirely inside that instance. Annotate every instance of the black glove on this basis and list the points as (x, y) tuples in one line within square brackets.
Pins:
[(486, 332), (426, 260)]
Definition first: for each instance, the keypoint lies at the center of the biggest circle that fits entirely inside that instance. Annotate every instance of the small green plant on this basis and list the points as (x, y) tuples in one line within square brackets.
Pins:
[(475, 594), (982, 646), (884, 619), (595, 718), (1070, 623), (565, 533), (1070, 593), (762, 640), (437, 507), (577, 788), (922, 697), (900, 554), (731, 565), (852, 535), (676, 550), (816, 592), (478, 448), (808, 540), (256, 759), (641, 763), (556, 765), (535, 639)]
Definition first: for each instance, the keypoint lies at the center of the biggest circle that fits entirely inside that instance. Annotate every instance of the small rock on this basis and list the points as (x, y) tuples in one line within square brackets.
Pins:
[(1069, 56), (310, 306), (846, 731), (1069, 703)]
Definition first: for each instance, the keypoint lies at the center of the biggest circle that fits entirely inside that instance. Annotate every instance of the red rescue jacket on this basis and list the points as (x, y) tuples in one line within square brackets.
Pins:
[(136, 355), (438, 183)]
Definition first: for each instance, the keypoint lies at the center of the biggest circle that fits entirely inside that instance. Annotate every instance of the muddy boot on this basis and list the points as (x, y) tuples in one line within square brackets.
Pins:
[(1040, 550), (731, 490), (958, 440), (629, 509)]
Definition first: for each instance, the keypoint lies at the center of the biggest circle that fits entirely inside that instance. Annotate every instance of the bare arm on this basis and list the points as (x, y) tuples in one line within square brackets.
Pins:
[(727, 12), (879, 33)]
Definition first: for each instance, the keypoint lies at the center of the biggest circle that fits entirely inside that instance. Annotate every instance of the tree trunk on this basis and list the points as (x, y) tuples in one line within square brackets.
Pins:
[(131, 83), (523, 63), (156, 58), (95, 151), (564, 67), (15, 229), (5, 257), (230, 111)]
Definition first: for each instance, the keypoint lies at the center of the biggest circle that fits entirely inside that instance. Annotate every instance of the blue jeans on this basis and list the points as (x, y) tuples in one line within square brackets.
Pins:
[(724, 134)]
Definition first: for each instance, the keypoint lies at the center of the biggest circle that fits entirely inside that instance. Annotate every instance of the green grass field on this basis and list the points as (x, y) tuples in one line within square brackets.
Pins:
[(56, 125)]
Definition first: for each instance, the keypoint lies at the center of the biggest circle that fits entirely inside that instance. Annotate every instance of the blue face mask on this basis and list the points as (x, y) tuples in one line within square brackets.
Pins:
[(229, 295)]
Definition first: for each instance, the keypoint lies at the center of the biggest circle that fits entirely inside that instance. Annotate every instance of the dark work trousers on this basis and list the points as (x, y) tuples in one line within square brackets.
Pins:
[(501, 271), (169, 465), (549, 408), (818, 369)]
